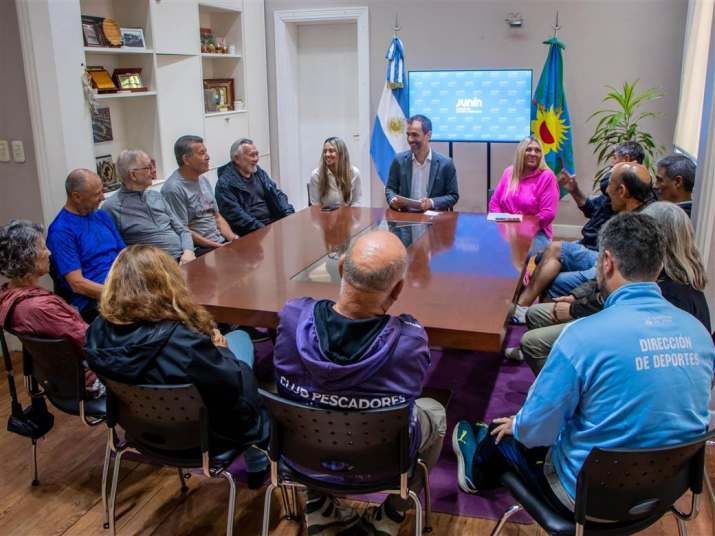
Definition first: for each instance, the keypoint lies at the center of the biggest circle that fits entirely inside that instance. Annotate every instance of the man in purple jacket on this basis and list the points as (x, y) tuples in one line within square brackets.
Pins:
[(351, 354)]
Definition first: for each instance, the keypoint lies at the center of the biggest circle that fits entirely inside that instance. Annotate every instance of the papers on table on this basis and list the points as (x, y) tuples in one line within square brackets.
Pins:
[(504, 217), (431, 213)]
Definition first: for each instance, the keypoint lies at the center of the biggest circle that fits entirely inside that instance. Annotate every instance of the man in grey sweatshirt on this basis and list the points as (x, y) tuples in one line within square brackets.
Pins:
[(141, 215)]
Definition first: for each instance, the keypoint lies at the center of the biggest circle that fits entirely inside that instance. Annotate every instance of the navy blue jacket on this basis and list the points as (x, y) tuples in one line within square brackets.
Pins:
[(598, 210), (442, 187), (232, 198)]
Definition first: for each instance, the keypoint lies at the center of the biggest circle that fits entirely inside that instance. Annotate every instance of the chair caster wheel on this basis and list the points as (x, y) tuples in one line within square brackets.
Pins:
[(35, 482), (426, 530), (105, 525)]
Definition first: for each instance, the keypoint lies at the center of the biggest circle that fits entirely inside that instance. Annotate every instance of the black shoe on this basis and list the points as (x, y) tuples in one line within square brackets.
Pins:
[(256, 480)]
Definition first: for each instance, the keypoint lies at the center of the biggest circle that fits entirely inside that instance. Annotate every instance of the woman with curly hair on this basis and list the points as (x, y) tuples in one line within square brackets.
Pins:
[(151, 332), (28, 308)]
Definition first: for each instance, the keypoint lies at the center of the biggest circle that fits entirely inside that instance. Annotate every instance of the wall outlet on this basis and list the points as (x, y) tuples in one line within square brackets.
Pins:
[(4, 151), (18, 151)]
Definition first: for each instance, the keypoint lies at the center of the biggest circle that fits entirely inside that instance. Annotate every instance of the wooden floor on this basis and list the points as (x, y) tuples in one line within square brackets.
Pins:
[(67, 502)]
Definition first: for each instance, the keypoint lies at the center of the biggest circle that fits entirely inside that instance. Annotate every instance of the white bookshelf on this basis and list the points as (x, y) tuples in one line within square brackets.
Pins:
[(173, 68)]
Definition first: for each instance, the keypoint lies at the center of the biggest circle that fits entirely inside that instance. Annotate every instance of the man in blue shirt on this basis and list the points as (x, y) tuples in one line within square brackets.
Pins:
[(84, 243), (635, 375)]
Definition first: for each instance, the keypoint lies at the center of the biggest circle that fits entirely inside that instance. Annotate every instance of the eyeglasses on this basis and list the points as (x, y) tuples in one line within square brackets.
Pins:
[(148, 168)]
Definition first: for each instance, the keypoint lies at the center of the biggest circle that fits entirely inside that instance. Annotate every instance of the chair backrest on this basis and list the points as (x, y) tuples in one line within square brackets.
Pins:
[(160, 417), (338, 442), (629, 484), (56, 365), (307, 187)]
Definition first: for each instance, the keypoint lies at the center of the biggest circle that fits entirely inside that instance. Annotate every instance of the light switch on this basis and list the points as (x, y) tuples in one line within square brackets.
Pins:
[(4, 151), (18, 151)]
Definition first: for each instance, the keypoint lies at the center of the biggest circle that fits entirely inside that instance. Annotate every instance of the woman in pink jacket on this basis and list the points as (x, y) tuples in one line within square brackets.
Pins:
[(532, 191)]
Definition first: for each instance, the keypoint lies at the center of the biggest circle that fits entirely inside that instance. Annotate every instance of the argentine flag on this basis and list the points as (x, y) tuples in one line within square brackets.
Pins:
[(388, 133)]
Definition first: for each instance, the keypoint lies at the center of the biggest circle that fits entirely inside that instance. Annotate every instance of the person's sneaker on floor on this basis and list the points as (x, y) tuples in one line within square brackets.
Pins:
[(465, 440), (382, 520), (325, 517), (514, 354), (518, 316)]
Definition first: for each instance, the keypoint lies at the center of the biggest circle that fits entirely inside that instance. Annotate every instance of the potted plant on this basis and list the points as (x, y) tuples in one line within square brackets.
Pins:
[(622, 123)]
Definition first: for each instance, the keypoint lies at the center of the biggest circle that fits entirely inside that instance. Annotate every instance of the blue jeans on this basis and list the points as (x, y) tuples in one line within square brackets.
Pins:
[(240, 344), (492, 461), (578, 265), (539, 243)]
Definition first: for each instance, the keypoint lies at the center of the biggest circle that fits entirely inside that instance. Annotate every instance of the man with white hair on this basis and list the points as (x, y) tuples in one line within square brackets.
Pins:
[(143, 216), (247, 197)]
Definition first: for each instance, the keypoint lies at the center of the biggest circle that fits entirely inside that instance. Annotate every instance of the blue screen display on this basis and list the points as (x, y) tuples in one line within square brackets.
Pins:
[(473, 105)]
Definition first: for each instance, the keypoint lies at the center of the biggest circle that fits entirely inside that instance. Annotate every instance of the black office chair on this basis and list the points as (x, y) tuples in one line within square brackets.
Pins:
[(307, 187), (635, 487), (168, 425), (56, 368), (340, 443)]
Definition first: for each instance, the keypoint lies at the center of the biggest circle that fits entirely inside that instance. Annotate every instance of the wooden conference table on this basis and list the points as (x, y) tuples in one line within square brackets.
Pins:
[(462, 275)]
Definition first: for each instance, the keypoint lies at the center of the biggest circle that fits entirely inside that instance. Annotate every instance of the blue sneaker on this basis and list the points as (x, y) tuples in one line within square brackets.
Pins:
[(465, 440)]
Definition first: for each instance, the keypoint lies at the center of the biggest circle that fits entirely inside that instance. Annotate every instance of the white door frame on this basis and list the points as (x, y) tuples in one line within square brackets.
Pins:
[(286, 46)]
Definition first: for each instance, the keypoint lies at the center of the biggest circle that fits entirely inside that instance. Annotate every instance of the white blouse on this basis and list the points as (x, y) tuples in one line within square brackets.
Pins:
[(333, 196)]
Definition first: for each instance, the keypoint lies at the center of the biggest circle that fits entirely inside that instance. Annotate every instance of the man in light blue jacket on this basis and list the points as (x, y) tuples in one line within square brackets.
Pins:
[(635, 375)]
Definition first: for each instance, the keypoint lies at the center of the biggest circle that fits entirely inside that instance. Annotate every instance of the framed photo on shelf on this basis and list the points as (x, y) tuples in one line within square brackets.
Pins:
[(133, 37), (218, 95), (129, 79), (107, 172), (92, 31), (208, 43), (102, 125)]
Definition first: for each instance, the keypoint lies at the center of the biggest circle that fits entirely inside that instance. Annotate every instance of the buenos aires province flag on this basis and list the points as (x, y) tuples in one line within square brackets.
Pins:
[(388, 132)]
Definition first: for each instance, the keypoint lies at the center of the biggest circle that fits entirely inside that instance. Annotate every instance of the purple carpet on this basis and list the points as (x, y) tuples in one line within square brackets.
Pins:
[(484, 386)]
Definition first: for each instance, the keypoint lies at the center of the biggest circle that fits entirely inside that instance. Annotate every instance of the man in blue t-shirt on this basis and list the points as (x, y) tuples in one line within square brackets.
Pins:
[(635, 375), (84, 243)]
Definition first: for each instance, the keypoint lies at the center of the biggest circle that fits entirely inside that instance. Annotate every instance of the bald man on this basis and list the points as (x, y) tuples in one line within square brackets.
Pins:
[(630, 189), (84, 243), (352, 355)]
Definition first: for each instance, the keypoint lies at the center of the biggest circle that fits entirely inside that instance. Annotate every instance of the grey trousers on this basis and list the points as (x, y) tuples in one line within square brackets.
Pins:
[(543, 331)]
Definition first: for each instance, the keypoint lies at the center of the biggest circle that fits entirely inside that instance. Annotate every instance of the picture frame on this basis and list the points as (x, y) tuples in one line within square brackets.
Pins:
[(133, 37), (208, 42), (102, 125), (107, 172), (129, 79), (92, 32), (218, 95)]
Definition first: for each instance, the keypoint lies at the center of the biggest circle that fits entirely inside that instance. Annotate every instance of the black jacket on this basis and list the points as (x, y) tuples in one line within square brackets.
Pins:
[(598, 210), (232, 198), (589, 299), (169, 353)]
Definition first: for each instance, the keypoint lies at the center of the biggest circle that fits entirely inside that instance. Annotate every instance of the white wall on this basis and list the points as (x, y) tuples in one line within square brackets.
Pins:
[(21, 192), (608, 42)]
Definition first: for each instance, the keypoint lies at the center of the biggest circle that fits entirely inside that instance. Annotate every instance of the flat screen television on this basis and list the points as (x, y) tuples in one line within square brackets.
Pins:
[(477, 106)]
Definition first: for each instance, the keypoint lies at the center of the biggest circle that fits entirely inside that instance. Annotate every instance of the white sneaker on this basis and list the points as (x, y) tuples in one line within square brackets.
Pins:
[(325, 517), (518, 315), (514, 354)]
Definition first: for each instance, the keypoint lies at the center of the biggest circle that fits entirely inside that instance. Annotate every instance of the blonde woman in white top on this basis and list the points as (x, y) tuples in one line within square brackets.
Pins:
[(335, 182)]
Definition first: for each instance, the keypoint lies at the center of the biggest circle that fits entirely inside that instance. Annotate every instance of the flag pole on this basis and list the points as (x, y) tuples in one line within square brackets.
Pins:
[(556, 26), (396, 28)]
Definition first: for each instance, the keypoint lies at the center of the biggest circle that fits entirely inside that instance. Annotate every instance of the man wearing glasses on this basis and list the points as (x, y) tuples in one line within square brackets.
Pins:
[(141, 215)]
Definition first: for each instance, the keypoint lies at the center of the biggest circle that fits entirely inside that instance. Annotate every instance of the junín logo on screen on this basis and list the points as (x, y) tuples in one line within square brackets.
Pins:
[(469, 106)]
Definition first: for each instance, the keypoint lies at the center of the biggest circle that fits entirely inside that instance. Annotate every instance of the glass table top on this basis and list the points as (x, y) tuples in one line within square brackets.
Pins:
[(325, 269)]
